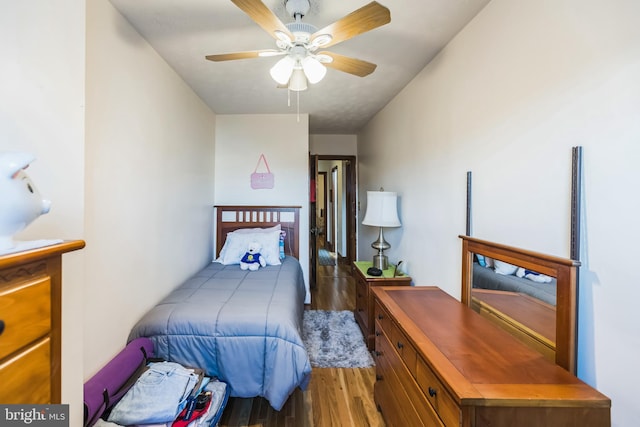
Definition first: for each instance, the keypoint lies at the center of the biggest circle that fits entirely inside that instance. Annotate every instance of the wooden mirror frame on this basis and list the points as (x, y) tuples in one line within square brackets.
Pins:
[(563, 269)]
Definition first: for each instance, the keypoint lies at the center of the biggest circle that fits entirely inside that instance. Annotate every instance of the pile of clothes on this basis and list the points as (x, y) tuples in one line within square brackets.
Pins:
[(169, 395), (135, 389)]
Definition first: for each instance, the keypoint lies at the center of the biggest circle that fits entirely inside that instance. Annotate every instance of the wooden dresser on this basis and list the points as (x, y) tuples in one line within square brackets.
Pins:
[(364, 298), (439, 363), (30, 324)]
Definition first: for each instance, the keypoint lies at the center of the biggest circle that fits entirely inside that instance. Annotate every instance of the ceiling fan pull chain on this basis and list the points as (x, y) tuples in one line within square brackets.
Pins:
[(288, 97), (298, 105)]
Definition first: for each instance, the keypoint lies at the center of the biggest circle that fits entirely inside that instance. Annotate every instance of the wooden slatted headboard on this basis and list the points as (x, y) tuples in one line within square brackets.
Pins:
[(230, 218)]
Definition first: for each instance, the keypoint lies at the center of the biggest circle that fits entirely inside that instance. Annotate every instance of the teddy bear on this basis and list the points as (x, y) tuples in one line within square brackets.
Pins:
[(532, 275), (252, 260)]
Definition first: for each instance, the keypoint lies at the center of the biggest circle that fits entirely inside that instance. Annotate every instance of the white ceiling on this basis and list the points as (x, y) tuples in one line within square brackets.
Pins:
[(184, 31)]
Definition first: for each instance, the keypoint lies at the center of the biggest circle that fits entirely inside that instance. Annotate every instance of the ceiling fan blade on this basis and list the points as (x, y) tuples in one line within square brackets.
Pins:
[(349, 65), (367, 18), (263, 16), (244, 55)]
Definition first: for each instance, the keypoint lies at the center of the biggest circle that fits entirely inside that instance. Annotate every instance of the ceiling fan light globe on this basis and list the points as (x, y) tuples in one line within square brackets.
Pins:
[(281, 71), (313, 69), (298, 81)]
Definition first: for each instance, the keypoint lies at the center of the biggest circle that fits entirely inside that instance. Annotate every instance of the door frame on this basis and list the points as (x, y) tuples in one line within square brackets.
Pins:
[(323, 201), (333, 202), (351, 197)]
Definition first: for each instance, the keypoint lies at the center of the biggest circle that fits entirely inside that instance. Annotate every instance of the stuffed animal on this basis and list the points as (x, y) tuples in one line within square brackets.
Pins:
[(20, 201), (252, 260), (532, 275)]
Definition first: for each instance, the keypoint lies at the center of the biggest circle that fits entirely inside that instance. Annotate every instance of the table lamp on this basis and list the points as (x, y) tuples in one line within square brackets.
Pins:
[(382, 211)]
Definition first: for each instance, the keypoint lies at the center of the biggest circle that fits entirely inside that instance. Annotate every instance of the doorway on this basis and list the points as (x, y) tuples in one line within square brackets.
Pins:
[(332, 212)]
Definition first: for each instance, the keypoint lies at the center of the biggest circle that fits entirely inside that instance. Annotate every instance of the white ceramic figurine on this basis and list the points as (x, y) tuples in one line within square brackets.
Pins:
[(20, 201)]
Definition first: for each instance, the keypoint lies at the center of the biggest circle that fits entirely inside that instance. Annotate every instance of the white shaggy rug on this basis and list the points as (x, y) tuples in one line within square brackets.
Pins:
[(333, 340)]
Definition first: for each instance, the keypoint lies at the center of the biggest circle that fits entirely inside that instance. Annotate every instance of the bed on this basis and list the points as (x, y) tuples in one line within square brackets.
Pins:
[(241, 326), (487, 278)]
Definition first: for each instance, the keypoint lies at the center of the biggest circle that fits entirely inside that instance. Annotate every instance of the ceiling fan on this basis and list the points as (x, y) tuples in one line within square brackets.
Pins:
[(299, 42)]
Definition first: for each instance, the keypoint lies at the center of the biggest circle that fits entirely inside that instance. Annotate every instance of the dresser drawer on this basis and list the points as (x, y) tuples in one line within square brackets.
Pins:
[(390, 404), (437, 395), (25, 310), (396, 337), (382, 318), (404, 349), (25, 377), (392, 372)]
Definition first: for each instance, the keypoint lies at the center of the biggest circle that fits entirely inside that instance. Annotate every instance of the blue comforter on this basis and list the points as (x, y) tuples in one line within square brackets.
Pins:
[(243, 327)]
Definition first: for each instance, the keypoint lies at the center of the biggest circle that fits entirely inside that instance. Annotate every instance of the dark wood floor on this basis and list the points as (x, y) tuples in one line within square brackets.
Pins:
[(335, 397)]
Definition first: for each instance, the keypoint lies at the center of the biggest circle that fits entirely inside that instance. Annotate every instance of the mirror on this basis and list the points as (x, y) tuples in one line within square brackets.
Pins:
[(534, 298)]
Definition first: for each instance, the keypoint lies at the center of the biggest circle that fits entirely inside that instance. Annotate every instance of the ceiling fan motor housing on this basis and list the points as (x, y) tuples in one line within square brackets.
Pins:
[(301, 31)]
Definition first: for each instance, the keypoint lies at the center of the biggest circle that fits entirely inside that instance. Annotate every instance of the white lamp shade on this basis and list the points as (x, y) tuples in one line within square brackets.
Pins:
[(281, 72), (382, 209), (298, 80), (314, 70)]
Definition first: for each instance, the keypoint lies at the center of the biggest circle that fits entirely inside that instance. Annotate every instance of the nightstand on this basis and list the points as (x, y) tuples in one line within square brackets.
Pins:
[(364, 297)]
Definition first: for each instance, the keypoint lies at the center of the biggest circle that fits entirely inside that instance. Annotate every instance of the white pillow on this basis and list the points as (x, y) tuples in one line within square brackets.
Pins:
[(237, 245), (256, 230), (504, 268), (223, 251)]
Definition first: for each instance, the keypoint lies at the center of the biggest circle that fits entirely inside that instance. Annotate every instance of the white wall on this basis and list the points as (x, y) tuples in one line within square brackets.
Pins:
[(334, 145), (507, 99), (284, 140), (149, 199), (139, 191), (42, 112)]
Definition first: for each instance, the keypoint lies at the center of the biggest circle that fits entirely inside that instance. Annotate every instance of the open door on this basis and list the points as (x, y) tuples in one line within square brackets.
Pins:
[(323, 218), (351, 219), (313, 223)]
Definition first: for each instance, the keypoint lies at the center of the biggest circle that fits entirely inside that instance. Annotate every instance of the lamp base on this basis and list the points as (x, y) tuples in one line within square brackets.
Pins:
[(381, 262)]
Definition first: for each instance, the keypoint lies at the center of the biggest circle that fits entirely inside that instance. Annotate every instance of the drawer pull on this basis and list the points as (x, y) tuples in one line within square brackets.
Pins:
[(432, 392), (380, 317), (1, 326), (378, 377), (400, 345), (378, 333), (378, 353)]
